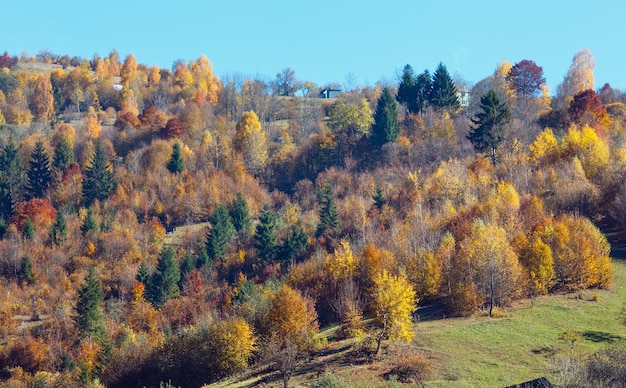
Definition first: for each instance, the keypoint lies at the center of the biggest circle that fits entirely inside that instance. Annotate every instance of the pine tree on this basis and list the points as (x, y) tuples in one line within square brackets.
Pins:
[(99, 181), (221, 233), (26, 270), (6, 199), (63, 154), (265, 235), (58, 233), (386, 127), (29, 230), (240, 214), (487, 132), (143, 276), (88, 307), (164, 281), (176, 163), (39, 174), (329, 217), (90, 225), (443, 93)]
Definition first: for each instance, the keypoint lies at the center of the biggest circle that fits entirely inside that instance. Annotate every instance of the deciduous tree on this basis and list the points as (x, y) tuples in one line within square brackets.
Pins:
[(393, 301), (526, 78), (579, 77), (42, 99), (250, 140)]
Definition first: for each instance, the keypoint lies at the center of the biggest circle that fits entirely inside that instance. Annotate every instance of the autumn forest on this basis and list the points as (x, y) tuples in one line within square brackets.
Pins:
[(166, 227)]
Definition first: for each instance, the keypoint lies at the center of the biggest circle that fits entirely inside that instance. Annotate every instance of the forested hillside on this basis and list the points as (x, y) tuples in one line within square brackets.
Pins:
[(168, 225)]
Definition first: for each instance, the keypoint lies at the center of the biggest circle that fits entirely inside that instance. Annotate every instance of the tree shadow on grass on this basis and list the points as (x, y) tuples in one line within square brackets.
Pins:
[(601, 336)]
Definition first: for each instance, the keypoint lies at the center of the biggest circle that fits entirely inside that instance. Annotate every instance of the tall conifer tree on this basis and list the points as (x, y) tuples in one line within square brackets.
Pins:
[(98, 182), (39, 174), (176, 163), (221, 233), (89, 306), (487, 132), (164, 281), (265, 235), (443, 93), (386, 126)]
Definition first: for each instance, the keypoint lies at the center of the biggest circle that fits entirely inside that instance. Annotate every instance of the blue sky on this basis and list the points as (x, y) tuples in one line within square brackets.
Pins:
[(325, 41)]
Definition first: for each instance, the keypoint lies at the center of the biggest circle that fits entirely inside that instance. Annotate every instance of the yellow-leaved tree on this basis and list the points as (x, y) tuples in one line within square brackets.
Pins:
[(342, 263), (539, 264), (545, 148), (579, 77), (250, 140), (589, 148), (393, 300)]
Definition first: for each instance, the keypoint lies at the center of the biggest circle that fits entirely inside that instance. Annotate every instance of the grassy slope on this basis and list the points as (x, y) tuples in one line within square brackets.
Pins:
[(491, 352)]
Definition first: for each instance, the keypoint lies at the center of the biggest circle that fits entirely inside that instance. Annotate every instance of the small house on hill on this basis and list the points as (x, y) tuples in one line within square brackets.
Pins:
[(330, 93)]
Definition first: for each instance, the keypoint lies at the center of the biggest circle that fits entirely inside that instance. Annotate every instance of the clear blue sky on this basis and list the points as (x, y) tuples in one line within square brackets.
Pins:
[(324, 41)]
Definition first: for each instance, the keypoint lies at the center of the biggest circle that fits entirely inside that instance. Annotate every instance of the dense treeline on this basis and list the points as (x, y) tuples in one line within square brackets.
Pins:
[(292, 211)]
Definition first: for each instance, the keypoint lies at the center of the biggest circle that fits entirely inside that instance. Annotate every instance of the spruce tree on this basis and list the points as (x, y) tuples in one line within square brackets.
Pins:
[(329, 217), (407, 89), (176, 163), (186, 267), (6, 198), (90, 225), (265, 235), (39, 174), (26, 270), (58, 233), (88, 307), (98, 182), (386, 127), (63, 154), (240, 214), (221, 233), (443, 93), (143, 275), (379, 197), (423, 86), (203, 259), (164, 281), (294, 245), (11, 165), (29, 230), (487, 132)]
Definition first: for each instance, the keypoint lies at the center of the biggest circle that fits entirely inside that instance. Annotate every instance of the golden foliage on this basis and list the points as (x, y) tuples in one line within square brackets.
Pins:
[(394, 301), (342, 263)]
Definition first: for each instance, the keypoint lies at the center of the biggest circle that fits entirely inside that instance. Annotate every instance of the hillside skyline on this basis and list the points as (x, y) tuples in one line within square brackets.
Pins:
[(329, 42)]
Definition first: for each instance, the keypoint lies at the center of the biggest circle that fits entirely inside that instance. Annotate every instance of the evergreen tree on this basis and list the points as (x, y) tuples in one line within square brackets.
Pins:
[(63, 154), (11, 165), (203, 259), (29, 230), (329, 217), (487, 132), (423, 86), (386, 127), (143, 275), (57, 93), (164, 281), (88, 307), (221, 233), (186, 267), (99, 181), (265, 235), (443, 93), (176, 163), (39, 174), (90, 225), (240, 214), (58, 233), (6, 199), (294, 245), (26, 270), (407, 89), (379, 197)]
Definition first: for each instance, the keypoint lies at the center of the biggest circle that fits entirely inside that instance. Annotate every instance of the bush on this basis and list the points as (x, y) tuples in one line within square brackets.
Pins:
[(414, 369), (329, 381)]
